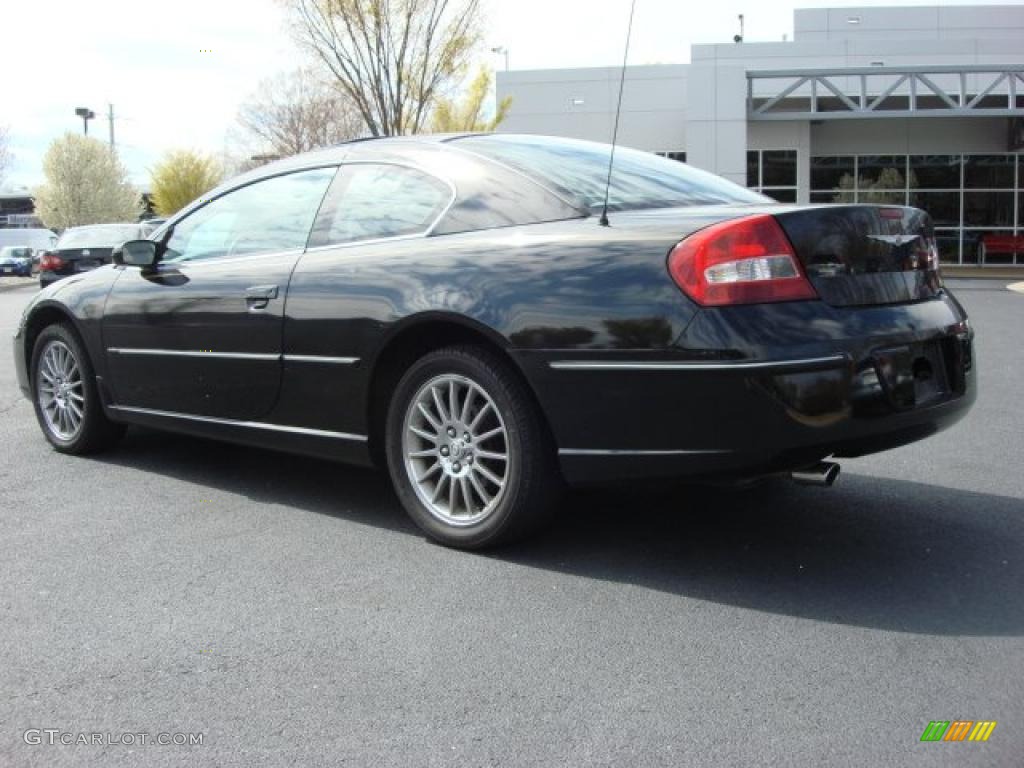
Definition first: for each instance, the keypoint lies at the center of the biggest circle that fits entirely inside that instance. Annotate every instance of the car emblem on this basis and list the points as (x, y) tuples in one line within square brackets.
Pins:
[(896, 240), (85, 251)]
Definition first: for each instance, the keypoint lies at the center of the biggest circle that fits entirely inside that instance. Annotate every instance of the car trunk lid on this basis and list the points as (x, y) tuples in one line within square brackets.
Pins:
[(85, 259), (857, 255)]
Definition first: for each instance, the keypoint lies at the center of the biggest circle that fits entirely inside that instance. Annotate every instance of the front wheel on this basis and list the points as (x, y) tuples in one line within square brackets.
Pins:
[(66, 400), (467, 450)]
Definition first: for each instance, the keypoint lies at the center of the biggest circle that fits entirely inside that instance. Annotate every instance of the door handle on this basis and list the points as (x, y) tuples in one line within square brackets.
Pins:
[(259, 296)]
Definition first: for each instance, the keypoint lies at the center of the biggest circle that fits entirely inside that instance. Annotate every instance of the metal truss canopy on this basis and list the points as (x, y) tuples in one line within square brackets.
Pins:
[(878, 92)]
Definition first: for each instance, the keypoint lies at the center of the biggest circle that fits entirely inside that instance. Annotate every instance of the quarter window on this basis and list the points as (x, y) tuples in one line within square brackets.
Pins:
[(369, 201), (268, 216)]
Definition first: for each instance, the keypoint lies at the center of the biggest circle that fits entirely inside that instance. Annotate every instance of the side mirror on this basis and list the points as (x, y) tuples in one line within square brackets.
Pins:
[(137, 253)]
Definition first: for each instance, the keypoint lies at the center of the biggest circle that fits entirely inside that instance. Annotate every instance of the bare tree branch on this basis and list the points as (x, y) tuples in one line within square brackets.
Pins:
[(296, 112), (392, 58)]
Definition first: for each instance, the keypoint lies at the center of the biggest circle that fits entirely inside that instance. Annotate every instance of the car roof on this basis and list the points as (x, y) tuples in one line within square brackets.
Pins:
[(337, 152)]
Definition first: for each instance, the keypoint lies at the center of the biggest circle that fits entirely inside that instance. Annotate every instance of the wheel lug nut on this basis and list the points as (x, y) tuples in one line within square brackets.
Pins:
[(457, 467), (451, 432), (469, 459), (467, 437), (444, 450)]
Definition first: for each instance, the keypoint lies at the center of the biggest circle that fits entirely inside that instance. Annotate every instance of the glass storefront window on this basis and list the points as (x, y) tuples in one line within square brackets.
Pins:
[(882, 196), (781, 195), (753, 169), (889, 171), (935, 171), (975, 201), (828, 172), (988, 209), (772, 172), (943, 207), (948, 241), (778, 168), (988, 171)]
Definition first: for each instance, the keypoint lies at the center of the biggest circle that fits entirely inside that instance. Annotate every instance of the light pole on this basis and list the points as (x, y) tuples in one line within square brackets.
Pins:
[(502, 51), (86, 114)]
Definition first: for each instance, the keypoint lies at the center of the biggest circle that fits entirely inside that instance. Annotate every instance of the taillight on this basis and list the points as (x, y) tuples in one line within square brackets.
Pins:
[(742, 261), (50, 262)]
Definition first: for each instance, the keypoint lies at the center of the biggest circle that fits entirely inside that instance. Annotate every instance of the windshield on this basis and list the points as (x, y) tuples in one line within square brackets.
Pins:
[(579, 169), (98, 237)]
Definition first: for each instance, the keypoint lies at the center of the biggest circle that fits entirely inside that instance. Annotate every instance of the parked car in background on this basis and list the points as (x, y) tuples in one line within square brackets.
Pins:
[(37, 239), (459, 311), (81, 249), (15, 260)]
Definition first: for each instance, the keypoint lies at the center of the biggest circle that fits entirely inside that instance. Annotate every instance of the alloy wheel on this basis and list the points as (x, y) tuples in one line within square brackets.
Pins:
[(456, 450), (60, 390)]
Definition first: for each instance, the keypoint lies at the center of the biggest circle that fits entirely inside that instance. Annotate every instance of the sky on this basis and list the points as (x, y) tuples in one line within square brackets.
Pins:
[(177, 78)]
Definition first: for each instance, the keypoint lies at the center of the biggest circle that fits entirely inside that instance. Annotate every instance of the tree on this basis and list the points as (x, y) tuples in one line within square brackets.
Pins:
[(295, 112), (390, 57), (85, 184), (886, 189), (449, 117), (181, 177), (5, 153)]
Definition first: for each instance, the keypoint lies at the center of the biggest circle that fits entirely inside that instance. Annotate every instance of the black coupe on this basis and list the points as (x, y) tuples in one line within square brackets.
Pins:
[(455, 308)]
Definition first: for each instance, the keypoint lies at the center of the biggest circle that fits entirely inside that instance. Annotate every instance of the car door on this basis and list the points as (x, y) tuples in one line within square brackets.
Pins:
[(200, 334)]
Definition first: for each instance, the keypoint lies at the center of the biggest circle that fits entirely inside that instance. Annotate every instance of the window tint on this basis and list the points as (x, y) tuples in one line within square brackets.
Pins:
[(271, 215), (368, 201), (579, 169)]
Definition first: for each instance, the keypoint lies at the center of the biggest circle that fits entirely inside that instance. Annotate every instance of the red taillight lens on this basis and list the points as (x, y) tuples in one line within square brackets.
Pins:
[(50, 262), (743, 261)]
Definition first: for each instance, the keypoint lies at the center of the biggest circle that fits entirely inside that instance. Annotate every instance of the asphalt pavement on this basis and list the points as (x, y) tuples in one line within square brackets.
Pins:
[(286, 610)]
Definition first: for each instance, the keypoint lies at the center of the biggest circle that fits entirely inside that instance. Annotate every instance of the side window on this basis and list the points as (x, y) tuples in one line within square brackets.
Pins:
[(271, 215), (369, 201)]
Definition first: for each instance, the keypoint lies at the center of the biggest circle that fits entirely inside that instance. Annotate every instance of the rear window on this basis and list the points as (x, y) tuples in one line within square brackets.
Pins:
[(579, 170), (97, 237)]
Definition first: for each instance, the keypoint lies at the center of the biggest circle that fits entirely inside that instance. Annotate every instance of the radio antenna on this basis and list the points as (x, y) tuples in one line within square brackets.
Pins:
[(618, 111)]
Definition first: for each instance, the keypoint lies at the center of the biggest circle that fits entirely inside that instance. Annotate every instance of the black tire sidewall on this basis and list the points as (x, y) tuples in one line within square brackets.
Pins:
[(495, 526)]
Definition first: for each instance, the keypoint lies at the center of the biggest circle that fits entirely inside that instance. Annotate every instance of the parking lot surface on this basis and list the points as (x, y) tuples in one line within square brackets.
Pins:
[(285, 608)]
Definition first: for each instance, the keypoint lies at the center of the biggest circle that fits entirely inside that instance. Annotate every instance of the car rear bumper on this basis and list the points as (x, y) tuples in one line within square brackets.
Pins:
[(696, 413)]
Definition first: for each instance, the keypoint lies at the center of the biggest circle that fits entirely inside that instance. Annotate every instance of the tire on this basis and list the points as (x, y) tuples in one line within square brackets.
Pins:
[(72, 419), (494, 501)]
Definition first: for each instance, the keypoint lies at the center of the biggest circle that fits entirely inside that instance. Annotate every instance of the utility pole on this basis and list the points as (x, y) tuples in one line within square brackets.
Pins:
[(110, 117)]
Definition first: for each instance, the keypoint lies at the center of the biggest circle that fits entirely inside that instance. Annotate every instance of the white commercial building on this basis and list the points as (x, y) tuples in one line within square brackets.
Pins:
[(912, 105)]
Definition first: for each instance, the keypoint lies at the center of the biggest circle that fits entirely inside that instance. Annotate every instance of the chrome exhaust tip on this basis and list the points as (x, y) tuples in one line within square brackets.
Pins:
[(823, 474)]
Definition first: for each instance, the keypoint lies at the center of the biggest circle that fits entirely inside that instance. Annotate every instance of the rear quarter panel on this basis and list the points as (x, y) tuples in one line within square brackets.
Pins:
[(570, 285)]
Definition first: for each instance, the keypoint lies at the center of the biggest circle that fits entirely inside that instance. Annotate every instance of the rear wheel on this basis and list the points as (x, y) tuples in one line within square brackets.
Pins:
[(66, 400), (467, 451)]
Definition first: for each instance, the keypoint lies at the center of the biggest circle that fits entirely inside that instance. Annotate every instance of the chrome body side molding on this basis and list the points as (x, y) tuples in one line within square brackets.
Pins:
[(271, 356), (238, 423), (321, 359), (194, 353), (654, 365)]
